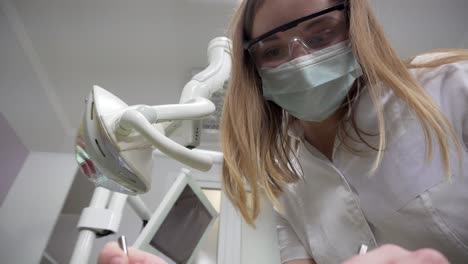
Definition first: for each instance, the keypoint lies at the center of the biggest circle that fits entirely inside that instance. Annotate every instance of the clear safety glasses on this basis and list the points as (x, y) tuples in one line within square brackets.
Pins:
[(310, 33)]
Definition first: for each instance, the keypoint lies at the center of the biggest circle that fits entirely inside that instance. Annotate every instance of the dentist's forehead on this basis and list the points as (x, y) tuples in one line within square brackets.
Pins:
[(274, 13)]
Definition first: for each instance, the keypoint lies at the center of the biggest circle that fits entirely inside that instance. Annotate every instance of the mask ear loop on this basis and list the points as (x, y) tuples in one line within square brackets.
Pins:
[(348, 114), (351, 101)]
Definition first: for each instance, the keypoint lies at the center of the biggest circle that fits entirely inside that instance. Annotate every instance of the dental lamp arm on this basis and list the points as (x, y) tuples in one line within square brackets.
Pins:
[(191, 107), (215, 76), (204, 84), (134, 119), (196, 108)]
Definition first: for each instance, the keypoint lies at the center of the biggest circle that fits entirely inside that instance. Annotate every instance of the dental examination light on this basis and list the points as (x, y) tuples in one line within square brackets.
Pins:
[(115, 141)]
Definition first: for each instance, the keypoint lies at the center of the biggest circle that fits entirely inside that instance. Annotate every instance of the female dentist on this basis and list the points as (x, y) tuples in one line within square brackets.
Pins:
[(353, 145), (356, 146)]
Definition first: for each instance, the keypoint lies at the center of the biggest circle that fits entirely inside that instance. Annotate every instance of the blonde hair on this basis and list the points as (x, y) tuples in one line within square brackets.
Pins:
[(254, 139)]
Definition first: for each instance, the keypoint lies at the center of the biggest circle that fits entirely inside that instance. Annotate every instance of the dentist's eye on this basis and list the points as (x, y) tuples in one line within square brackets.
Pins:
[(272, 53), (322, 40)]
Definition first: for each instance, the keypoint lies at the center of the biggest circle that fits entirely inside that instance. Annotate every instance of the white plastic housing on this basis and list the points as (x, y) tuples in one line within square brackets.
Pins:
[(100, 159)]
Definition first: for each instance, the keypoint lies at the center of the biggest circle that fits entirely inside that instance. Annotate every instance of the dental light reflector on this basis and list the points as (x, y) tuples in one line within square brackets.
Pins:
[(115, 141), (103, 162)]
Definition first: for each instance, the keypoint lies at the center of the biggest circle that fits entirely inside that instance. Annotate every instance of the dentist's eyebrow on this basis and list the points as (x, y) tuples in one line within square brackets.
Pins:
[(319, 21), (271, 38)]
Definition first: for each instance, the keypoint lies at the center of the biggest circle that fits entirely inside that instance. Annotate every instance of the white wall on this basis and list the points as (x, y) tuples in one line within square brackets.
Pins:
[(32, 206), (465, 40), (420, 25), (24, 101)]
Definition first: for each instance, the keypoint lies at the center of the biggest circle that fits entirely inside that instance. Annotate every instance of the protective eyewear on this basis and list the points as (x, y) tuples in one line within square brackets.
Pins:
[(311, 33)]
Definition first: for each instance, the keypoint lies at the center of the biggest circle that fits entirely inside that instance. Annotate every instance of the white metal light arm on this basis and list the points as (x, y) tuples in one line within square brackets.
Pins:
[(196, 108), (215, 76), (136, 120)]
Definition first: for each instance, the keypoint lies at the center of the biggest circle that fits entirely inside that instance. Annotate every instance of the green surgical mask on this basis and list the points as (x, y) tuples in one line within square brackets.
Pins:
[(314, 86)]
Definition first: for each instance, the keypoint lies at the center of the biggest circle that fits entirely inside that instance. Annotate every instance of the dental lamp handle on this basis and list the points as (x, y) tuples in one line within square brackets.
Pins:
[(196, 108)]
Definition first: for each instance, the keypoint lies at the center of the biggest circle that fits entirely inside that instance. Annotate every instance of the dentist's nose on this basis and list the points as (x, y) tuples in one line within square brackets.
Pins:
[(297, 49)]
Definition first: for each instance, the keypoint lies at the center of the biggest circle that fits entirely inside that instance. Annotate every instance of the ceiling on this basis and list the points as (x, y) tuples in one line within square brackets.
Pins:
[(53, 51)]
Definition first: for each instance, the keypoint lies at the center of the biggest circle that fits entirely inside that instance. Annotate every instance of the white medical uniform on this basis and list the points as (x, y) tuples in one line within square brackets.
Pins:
[(337, 206)]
